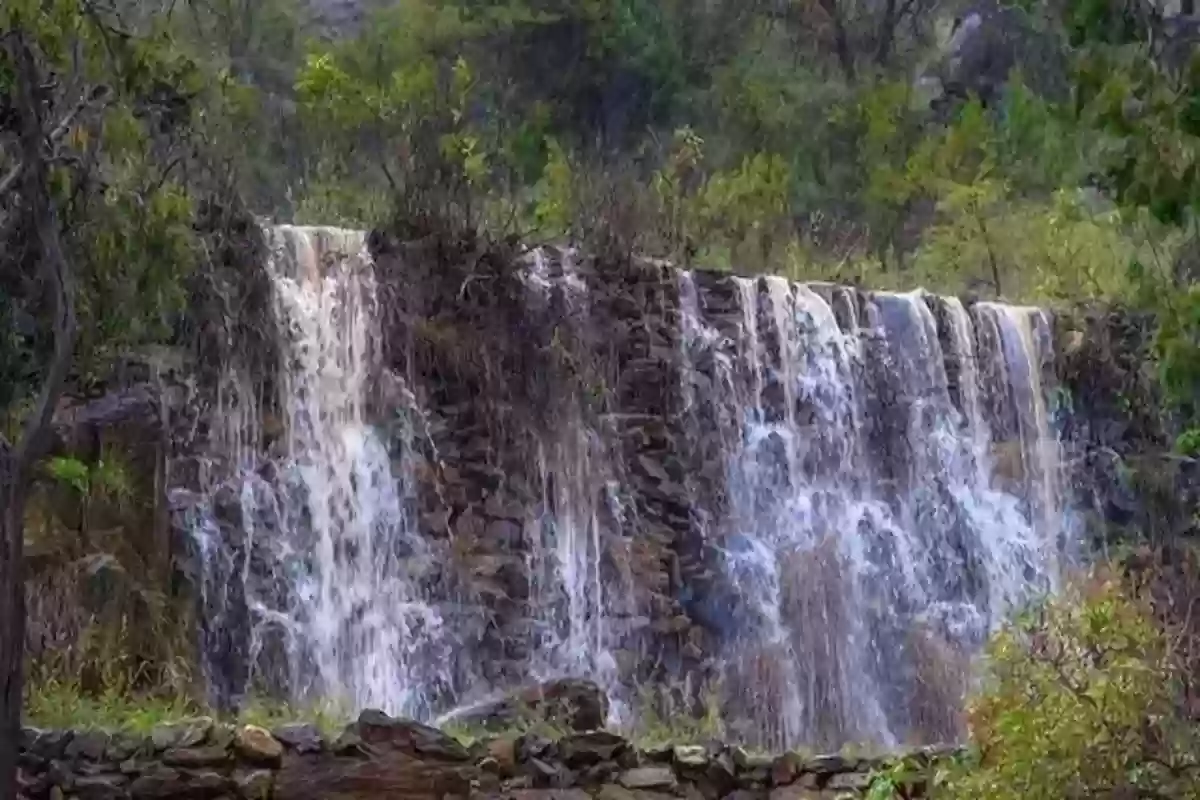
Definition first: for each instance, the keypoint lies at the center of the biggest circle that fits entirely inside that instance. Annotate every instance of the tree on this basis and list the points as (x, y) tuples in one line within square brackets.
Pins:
[(95, 146)]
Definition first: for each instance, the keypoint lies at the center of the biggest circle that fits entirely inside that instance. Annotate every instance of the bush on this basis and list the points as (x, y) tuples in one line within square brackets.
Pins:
[(1080, 699)]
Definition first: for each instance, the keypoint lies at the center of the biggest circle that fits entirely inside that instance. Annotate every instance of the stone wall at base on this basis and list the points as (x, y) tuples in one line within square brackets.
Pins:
[(382, 757)]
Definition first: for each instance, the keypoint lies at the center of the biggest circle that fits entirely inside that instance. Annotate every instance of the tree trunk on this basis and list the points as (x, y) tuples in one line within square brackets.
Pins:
[(12, 622), (17, 462)]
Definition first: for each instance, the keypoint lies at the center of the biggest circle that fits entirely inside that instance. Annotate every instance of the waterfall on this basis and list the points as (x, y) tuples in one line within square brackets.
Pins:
[(329, 571), (579, 509), (862, 508), (817, 500)]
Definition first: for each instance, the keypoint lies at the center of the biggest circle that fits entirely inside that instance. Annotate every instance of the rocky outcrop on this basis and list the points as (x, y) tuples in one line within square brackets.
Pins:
[(1118, 435), (382, 757)]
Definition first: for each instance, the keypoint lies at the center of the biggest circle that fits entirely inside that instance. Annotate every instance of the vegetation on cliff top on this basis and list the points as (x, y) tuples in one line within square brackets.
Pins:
[(783, 136)]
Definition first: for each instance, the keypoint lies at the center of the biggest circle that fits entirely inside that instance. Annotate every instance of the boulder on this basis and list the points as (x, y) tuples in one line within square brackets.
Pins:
[(586, 749), (648, 778), (192, 757), (300, 737), (378, 730), (187, 733), (257, 745)]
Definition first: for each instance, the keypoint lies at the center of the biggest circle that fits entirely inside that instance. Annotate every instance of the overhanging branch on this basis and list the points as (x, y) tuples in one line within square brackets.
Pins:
[(98, 96)]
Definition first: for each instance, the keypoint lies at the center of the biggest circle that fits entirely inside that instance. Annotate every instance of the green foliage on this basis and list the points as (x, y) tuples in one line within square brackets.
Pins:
[(1188, 443), (897, 779), (108, 478), (555, 203), (117, 177), (656, 724), (64, 705), (327, 717), (394, 97), (1079, 701), (70, 471)]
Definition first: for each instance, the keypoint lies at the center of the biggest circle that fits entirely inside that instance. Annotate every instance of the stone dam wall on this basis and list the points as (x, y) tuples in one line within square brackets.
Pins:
[(380, 757), (409, 476)]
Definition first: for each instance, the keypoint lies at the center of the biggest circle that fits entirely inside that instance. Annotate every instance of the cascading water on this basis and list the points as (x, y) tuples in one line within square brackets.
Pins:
[(579, 510), (354, 544), (330, 567), (859, 486), (861, 507)]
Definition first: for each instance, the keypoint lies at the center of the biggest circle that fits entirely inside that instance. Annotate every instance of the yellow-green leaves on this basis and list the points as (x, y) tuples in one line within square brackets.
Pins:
[(554, 207), (1076, 702)]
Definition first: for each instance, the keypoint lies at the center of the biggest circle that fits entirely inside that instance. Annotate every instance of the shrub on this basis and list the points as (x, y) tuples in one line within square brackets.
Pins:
[(1079, 699)]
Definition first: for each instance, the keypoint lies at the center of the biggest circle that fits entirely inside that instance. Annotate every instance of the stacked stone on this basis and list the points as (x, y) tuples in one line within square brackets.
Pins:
[(382, 757)]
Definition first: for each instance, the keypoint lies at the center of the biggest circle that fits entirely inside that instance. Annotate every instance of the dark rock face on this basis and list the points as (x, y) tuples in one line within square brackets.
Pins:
[(588, 766), (1128, 486)]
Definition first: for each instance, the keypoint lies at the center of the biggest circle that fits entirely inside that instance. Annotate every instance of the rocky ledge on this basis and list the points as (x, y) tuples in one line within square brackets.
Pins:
[(382, 757)]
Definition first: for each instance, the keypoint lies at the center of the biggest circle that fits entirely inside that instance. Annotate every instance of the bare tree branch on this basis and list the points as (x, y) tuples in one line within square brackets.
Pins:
[(841, 37), (96, 97)]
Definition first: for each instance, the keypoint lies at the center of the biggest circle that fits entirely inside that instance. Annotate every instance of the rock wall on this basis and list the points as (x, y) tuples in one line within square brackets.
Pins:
[(571, 438), (381, 757), (1127, 483)]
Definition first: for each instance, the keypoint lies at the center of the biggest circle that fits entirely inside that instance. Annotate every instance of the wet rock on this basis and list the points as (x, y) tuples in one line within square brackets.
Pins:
[(254, 784), (300, 737), (585, 749), (747, 761), (786, 768), (377, 729), (690, 756), (187, 733), (549, 773), (648, 778), (61, 775), (798, 793), (531, 745), (849, 781), (222, 735), (89, 744), (160, 782), (29, 737), (52, 744), (831, 764), (541, 794), (387, 774), (350, 745), (257, 745), (124, 746), (604, 772), (204, 784), (100, 787), (503, 753), (194, 757)]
